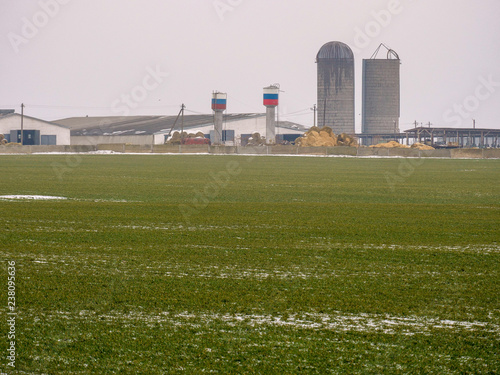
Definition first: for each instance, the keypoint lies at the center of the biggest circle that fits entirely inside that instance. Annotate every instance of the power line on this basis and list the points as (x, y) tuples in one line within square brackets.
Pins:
[(195, 112), (293, 113), (84, 107)]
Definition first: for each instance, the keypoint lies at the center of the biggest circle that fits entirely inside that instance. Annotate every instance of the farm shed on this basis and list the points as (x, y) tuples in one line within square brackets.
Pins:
[(34, 131), (154, 130)]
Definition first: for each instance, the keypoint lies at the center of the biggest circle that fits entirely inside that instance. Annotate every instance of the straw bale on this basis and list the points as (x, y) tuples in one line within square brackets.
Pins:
[(175, 139), (346, 140), (256, 140), (314, 133), (327, 129)]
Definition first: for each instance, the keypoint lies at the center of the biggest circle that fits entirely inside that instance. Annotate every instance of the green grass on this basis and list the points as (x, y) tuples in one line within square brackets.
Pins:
[(289, 265)]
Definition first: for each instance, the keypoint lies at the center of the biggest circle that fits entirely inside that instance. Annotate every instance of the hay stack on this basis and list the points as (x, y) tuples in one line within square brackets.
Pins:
[(175, 139), (3, 141), (324, 137), (390, 144), (347, 140), (256, 140), (421, 146)]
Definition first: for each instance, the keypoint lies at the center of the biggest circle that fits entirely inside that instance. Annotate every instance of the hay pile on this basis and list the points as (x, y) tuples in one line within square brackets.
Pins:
[(347, 140), (325, 137), (390, 144), (421, 146), (177, 137), (256, 140), (3, 141), (394, 144)]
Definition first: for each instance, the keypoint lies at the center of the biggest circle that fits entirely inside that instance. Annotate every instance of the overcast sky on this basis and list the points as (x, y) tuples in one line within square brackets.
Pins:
[(66, 58)]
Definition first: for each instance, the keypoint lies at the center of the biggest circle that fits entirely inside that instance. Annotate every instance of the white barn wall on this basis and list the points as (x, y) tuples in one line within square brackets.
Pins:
[(13, 122), (86, 140)]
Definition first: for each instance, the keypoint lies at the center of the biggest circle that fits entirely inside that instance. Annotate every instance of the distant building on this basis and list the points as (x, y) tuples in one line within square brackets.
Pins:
[(34, 131), (148, 130)]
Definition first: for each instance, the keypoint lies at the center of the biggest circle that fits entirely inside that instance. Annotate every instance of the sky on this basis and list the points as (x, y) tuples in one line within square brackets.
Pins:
[(65, 58)]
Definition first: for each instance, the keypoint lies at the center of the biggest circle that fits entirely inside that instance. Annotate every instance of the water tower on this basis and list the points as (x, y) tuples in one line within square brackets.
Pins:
[(271, 99), (336, 87), (219, 104)]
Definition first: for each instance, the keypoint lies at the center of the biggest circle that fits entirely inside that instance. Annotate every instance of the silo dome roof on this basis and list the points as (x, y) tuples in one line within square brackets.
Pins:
[(335, 50)]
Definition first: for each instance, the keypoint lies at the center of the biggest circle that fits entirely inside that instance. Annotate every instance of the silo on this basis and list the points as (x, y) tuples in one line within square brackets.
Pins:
[(271, 99), (336, 87), (219, 103), (381, 94)]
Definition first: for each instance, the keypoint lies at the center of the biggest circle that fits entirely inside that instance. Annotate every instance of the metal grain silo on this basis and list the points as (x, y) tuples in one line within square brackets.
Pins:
[(336, 87), (381, 94)]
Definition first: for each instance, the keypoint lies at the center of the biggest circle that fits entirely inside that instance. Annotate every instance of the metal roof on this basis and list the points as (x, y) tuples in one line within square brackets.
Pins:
[(4, 112), (335, 50), (34, 118), (143, 125), (423, 129), (148, 125)]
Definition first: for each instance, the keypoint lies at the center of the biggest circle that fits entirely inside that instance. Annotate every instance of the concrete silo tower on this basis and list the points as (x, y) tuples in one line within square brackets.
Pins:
[(336, 87), (271, 98), (381, 94), (219, 104)]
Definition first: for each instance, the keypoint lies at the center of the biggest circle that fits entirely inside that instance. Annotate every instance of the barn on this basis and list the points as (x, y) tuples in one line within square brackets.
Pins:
[(154, 130), (32, 131)]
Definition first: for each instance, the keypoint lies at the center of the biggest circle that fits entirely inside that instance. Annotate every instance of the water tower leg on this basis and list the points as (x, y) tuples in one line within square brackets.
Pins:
[(218, 128), (271, 125)]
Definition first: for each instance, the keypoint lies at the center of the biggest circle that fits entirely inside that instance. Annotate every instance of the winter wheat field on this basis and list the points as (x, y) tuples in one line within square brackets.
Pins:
[(163, 264)]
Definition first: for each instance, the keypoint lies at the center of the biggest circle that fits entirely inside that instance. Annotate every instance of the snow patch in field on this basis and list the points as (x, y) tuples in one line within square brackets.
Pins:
[(336, 321), (31, 197)]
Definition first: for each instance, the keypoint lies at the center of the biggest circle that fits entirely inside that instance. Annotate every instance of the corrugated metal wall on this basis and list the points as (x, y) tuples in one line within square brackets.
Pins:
[(381, 96)]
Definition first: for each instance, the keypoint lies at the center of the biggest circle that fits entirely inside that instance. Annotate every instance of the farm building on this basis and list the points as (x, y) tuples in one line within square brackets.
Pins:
[(147, 130), (32, 131)]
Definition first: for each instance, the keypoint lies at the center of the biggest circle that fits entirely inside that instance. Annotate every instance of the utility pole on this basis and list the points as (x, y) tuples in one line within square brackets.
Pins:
[(474, 123), (182, 122), (22, 123), (277, 109), (314, 109)]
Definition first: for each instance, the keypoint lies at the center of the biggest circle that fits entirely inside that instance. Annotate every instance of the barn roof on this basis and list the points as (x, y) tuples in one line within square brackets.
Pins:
[(34, 118), (147, 125)]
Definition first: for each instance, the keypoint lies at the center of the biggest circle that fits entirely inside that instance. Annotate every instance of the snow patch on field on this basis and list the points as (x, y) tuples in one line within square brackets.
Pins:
[(48, 197), (31, 197), (337, 321)]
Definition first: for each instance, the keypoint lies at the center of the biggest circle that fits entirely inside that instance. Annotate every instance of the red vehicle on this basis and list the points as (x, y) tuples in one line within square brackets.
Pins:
[(196, 141)]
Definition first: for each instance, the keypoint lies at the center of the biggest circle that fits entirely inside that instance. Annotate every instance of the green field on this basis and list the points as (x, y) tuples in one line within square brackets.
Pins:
[(235, 264)]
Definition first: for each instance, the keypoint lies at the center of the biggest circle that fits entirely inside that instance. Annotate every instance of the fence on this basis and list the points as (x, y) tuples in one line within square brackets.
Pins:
[(458, 153)]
